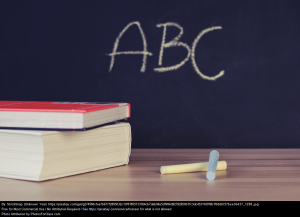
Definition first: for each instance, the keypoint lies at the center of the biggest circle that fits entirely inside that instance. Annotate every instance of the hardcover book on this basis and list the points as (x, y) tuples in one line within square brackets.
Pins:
[(42, 155), (33, 115)]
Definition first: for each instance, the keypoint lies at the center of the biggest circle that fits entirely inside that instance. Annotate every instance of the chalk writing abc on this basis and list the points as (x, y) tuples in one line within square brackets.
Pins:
[(173, 43)]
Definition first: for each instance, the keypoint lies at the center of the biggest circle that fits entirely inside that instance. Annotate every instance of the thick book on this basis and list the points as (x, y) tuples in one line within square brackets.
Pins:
[(33, 115), (42, 155)]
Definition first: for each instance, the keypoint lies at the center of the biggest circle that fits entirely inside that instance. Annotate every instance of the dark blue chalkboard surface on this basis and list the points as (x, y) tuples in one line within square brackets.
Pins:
[(198, 73)]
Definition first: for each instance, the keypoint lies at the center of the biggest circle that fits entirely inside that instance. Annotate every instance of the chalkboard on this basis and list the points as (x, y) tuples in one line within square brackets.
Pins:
[(198, 73)]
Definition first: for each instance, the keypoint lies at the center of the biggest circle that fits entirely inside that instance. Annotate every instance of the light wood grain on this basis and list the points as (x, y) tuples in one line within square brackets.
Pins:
[(251, 175)]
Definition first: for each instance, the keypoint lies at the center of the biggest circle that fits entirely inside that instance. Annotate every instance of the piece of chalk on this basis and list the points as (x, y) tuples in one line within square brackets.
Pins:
[(212, 165), (194, 167)]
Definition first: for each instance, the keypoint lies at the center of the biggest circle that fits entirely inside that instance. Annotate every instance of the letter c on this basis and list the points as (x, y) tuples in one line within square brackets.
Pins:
[(193, 54)]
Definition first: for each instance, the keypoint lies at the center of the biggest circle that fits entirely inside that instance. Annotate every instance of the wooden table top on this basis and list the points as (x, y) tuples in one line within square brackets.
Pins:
[(251, 175)]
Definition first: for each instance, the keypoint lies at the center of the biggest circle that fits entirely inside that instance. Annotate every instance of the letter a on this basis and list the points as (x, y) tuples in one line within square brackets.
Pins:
[(172, 43), (193, 54), (144, 52)]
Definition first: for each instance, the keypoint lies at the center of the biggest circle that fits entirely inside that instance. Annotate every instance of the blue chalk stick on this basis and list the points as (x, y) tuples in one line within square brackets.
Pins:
[(212, 165)]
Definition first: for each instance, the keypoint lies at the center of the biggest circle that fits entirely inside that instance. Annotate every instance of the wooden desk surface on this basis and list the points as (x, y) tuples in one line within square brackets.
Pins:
[(252, 174)]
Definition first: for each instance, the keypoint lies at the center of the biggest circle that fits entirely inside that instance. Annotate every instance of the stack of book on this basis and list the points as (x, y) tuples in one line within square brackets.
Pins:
[(48, 140)]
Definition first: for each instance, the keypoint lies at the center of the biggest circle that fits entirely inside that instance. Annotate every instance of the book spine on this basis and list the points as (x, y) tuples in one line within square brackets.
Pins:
[(129, 109)]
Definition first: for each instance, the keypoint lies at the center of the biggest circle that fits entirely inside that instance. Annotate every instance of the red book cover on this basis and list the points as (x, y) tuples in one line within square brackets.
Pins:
[(78, 107)]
